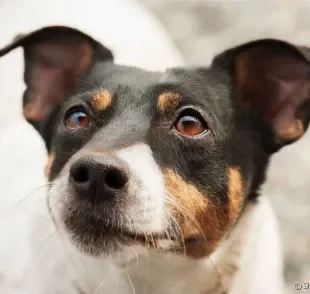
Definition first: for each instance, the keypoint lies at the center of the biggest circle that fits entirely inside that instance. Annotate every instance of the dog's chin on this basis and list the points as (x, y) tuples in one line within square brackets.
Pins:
[(103, 244), (99, 237)]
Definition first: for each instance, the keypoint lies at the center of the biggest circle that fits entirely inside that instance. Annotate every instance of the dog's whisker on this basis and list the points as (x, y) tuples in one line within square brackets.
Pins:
[(39, 250), (146, 241), (137, 257), (220, 245), (153, 241), (145, 235), (16, 204), (217, 273), (68, 255), (31, 264), (102, 282), (186, 213), (176, 224), (88, 82), (168, 235), (229, 249), (37, 214), (171, 233), (132, 287), (47, 185)]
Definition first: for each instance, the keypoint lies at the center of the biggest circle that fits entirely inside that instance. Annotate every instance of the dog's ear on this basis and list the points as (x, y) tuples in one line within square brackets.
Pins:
[(272, 79), (56, 60)]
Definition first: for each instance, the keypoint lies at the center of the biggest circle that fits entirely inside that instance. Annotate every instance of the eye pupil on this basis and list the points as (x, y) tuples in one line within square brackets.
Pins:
[(190, 125), (77, 119)]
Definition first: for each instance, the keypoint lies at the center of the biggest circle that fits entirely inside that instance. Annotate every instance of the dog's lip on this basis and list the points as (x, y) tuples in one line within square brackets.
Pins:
[(142, 237), (124, 234), (151, 239)]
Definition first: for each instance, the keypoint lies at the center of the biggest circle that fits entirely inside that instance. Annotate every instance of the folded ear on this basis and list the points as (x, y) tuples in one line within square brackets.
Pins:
[(272, 79), (56, 59)]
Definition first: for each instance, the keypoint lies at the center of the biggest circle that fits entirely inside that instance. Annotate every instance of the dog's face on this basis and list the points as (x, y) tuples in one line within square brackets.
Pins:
[(164, 160)]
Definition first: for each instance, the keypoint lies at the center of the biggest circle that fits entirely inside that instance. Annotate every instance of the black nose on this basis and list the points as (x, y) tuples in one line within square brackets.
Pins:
[(99, 179)]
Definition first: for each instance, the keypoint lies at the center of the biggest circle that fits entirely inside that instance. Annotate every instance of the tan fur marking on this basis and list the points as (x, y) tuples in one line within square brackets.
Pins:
[(48, 166), (102, 100), (168, 101), (186, 195), (291, 132), (235, 193), (198, 217)]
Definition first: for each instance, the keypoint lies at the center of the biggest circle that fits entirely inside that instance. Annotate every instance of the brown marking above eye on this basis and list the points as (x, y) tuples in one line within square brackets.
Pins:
[(102, 100), (168, 101), (49, 164)]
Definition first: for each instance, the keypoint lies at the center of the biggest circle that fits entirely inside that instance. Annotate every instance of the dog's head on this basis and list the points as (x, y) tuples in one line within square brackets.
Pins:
[(166, 160)]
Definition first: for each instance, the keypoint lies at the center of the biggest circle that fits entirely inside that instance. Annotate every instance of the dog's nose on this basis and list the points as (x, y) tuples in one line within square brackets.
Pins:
[(99, 179)]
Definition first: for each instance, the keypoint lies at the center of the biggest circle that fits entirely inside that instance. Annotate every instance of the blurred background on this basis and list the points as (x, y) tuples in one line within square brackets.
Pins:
[(200, 29)]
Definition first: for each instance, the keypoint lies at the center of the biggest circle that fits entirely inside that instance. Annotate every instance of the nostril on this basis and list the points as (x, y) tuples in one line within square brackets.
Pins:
[(116, 179), (80, 174), (98, 178)]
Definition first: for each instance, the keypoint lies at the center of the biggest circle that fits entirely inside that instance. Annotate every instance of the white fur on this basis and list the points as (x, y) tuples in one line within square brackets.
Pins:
[(151, 190), (262, 261), (146, 185)]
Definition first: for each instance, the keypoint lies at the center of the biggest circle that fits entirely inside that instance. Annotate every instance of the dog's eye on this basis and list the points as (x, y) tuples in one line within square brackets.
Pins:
[(77, 119), (190, 124)]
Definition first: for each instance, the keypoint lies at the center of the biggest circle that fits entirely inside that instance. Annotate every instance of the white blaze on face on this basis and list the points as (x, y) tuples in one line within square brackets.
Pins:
[(148, 211)]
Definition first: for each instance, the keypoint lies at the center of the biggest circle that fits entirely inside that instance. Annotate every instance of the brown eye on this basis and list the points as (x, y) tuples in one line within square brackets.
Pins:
[(190, 125), (77, 119)]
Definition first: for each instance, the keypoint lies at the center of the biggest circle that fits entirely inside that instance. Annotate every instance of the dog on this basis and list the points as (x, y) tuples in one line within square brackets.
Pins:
[(156, 176)]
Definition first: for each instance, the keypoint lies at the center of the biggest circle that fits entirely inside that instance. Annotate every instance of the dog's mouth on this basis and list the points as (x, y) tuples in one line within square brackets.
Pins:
[(96, 236), (149, 240)]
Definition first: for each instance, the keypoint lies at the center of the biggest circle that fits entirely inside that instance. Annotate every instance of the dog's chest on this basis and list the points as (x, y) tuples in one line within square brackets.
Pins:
[(155, 274)]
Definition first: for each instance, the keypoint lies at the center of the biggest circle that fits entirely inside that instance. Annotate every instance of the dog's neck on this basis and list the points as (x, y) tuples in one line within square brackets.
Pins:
[(228, 270)]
